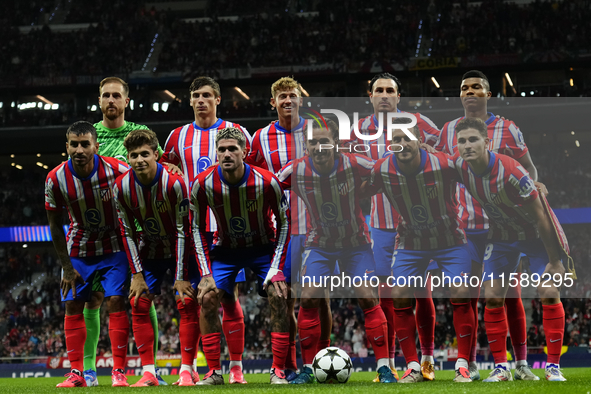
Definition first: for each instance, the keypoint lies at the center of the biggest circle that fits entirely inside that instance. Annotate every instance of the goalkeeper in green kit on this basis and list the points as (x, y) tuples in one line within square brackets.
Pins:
[(111, 131)]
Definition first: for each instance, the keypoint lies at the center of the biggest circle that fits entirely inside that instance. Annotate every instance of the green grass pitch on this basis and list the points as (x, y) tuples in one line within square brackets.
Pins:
[(579, 381)]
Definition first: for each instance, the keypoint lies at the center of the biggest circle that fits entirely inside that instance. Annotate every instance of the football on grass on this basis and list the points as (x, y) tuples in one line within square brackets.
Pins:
[(332, 365)]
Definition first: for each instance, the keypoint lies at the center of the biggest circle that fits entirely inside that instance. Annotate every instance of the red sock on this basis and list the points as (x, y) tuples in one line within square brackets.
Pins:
[(291, 361), (405, 330), (188, 330), (376, 329), (142, 330), (554, 329), (322, 344), (475, 295), (233, 326), (495, 321), (198, 307), (517, 322), (212, 349), (309, 329), (75, 330), (280, 347), (387, 305), (425, 319), (464, 326), (119, 335)]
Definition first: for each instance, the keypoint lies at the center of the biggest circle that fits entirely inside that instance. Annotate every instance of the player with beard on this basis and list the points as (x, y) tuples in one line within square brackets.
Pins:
[(384, 94), (326, 181), (192, 147), (111, 131), (519, 223), (506, 138), (94, 248), (273, 147)]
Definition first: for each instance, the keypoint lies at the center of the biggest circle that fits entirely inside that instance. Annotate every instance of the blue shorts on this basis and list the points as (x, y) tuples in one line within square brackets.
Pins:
[(383, 242), (502, 257), (227, 264), (454, 261), (295, 250), (155, 270), (112, 269), (209, 237), (319, 262), (477, 241)]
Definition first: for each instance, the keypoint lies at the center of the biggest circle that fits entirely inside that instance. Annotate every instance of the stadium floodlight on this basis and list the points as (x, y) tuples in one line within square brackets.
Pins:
[(45, 167), (509, 79), (12, 156), (47, 107), (155, 107), (19, 166), (93, 108), (240, 92), (435, 82), (572, 133), (39, 164), (39, 104), (38, 154), (572, 83), (131, 104), (55, 106), (164, 107), (578, 145)]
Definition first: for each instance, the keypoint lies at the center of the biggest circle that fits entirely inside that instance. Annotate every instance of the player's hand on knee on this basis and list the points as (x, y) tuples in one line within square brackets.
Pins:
[(276, 277), (184, 289), (206, 285), (69, 280), (138, 287)]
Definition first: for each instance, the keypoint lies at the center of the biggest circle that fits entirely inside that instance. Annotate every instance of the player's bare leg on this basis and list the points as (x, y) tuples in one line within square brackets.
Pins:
[(75, 337), (92, 319), (211, 336), (376, 329), (118, 334), (234, 331), (279, 334)]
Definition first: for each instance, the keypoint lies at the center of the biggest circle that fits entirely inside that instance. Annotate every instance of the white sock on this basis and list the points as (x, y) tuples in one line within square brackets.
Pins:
[(383, 362), (427, 358), (236, 363), (520, 362), (461, 363), (393, 363), (195, 365), (414, 366), (186, 367), (149, 368)]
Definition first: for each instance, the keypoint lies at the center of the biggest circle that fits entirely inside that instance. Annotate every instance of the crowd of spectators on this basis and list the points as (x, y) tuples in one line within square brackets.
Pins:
[(500, 27)]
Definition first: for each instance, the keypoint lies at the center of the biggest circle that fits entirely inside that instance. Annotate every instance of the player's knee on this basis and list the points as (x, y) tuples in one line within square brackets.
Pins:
[(210, 304), (495, 302), (402, 302), (96, 300), (115, 304), (74, 308), (366, 303)]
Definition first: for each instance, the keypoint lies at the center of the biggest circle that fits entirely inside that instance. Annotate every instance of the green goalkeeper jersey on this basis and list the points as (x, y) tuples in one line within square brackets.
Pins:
[(111, 140)]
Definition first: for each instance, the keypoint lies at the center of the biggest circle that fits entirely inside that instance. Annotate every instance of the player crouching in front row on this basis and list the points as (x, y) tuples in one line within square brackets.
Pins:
[(158, 201)]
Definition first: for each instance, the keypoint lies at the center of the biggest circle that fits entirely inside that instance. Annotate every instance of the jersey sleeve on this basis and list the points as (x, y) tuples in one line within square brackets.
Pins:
[(428, 129), (284, 176), (127, 226), (277, 200), (520, 188), (53, 196), (365, 165), (512, 142), (199, 207), (375, 184), (183, 229), (255, 156), (170, 155)]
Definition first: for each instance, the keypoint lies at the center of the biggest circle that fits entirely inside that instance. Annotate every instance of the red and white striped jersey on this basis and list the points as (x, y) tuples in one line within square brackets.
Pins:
[(501, 191), (272, 148), (94, 228), (193, 149), (243, 211), (425, 200), (506, 138), (332, 200), (382, 215), (162, 210)]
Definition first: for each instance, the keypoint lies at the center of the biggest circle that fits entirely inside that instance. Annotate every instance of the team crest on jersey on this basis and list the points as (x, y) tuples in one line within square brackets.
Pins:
[(251, 205), (432, 192), (343, 188), (106, 194), (161, 206), (496, 198)]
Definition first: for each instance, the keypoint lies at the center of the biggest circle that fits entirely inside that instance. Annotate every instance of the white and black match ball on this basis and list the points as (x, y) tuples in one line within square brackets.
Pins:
[(332, 365)]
